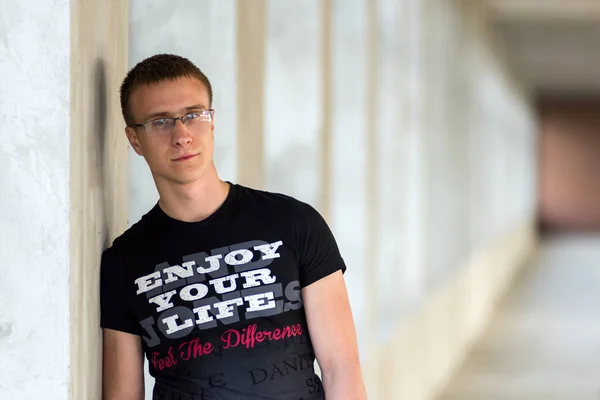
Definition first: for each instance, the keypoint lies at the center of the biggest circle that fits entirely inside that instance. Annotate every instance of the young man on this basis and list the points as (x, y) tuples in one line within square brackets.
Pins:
[(230, 292)]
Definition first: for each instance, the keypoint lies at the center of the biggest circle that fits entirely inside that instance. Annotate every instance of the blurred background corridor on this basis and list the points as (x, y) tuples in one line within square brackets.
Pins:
[(452, 146)]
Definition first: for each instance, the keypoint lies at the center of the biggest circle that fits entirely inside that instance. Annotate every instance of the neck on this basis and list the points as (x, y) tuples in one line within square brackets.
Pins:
[(195, 201)]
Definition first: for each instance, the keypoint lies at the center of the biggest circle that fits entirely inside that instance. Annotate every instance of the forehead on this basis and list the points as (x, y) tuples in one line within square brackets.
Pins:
[(168, 96)]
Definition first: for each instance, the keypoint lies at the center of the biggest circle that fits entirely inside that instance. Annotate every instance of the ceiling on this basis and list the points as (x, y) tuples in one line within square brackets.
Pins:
[(553, 44)]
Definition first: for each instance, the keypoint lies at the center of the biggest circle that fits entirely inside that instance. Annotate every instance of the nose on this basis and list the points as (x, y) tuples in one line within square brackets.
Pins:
[(181, 135)]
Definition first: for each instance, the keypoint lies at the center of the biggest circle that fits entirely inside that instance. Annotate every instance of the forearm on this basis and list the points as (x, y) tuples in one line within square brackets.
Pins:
[(122, 366), (345, 383), (124, 396), (119, 389)]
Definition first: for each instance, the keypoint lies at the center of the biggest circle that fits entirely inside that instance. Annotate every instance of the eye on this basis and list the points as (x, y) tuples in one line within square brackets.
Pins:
[(192, 116), (159, 123)]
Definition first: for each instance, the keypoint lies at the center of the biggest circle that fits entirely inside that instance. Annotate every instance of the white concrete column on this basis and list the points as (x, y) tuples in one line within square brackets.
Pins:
[(348, 197), (34, 176), (62, 196), (412, 285), (98, 173), (292, 99)]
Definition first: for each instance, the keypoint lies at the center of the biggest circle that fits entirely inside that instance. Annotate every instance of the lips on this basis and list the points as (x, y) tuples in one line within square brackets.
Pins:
[(186, 157)]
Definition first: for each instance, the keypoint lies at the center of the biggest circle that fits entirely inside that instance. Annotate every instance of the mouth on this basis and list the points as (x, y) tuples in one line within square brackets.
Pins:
[(186, 157)]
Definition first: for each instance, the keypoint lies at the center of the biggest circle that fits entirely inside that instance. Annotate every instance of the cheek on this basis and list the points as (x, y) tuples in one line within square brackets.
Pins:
[(207, 142), (155, 151)]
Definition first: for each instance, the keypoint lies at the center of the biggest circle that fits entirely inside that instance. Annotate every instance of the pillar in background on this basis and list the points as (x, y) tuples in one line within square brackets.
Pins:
[(62, 196), (348, 140), (250, 91), (292, 99), (327, 99), (569, 189)]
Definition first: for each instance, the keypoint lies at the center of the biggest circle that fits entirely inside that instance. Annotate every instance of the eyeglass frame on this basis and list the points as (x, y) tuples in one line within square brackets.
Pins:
[(174, 119)]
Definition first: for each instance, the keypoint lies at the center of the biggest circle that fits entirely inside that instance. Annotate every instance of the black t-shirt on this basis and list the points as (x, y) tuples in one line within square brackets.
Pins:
[(218, 302)]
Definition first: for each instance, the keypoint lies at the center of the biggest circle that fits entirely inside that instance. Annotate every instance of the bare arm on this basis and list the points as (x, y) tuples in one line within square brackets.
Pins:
[(122, 366), (333, 335)]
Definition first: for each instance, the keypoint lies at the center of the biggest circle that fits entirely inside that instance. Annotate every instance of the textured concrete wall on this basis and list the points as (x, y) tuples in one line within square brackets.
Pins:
[(34, 198), (62, 190), (99, 178)]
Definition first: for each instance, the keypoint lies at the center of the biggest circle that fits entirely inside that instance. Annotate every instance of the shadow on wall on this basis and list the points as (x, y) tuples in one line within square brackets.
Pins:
[(99, 177), (100, 109)]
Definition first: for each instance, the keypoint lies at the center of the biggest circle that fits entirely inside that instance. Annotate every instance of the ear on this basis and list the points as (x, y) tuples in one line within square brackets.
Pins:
[(133, 140)]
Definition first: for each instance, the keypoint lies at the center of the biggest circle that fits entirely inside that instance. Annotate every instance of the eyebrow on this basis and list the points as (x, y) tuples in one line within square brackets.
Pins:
[(168, 114)]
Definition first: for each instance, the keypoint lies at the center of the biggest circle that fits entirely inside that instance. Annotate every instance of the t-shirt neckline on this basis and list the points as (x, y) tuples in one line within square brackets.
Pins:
[(223, 209)]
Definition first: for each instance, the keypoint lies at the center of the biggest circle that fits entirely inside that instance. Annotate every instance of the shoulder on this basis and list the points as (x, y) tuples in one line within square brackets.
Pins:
[(275, 202), (273, 199), (136, 240), (136, 236)]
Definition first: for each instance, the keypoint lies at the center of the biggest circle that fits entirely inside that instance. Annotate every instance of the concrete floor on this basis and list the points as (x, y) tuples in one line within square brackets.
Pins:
[(544, 341)]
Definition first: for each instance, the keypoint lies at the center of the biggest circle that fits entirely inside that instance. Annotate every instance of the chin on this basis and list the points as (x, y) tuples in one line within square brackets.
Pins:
[(186, 178)]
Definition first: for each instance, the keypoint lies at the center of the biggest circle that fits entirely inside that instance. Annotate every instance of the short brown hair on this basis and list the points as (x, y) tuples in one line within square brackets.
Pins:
[(155, 69)]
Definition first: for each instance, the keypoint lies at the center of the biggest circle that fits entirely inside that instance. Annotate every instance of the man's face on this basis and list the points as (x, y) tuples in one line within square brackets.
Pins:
[(183, 155)]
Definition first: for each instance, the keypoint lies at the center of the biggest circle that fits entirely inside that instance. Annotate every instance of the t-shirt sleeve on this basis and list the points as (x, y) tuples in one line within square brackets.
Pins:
[(114, 311), (319, 255)]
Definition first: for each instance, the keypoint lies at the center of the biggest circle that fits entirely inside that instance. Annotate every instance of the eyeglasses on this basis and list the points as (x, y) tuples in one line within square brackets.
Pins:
[(193, 121)]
